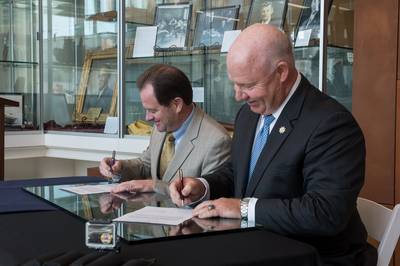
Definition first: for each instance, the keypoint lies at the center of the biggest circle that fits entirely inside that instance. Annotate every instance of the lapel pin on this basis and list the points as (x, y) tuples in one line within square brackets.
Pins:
[(282, 130)]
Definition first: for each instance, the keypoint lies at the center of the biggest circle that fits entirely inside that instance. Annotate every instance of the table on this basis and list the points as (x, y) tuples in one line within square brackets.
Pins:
[(28, 235), (13, 198)]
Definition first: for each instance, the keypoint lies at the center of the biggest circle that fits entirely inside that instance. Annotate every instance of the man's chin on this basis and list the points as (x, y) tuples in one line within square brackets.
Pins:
[(258, 110), (160, 128), (254, 107)]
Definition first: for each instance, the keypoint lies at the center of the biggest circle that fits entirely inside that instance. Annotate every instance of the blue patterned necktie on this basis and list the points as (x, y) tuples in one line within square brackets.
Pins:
[(259, 143)]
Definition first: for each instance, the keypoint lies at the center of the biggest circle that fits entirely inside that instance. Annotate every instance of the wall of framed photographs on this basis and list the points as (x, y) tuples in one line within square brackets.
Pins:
[(190, 35), (80, 39)]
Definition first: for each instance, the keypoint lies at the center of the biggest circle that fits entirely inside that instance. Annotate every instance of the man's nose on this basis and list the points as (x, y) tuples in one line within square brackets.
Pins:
[(240, 95), (149, 116)]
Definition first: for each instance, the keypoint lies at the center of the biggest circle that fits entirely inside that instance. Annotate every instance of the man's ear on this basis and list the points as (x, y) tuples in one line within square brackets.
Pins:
[(283, 70), (177, 104)]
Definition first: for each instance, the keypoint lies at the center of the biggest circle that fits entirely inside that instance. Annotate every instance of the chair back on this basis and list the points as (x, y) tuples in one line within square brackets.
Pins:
[(382, 224)]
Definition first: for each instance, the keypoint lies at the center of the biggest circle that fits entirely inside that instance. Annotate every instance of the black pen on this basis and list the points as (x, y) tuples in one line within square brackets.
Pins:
[(112, 160), (180, 174)]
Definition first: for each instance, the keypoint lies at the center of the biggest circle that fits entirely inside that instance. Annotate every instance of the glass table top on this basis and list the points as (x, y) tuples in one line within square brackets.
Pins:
[(107, 206)]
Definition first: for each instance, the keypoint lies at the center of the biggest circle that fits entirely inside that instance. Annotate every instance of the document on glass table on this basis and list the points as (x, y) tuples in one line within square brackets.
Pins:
[(157, 215), (89, 189)]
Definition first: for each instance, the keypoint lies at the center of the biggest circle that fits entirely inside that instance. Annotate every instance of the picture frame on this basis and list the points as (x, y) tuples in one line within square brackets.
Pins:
[(211, 25), (173, 26), (271, 12), (98, 88), (14, 115), (309, 18)]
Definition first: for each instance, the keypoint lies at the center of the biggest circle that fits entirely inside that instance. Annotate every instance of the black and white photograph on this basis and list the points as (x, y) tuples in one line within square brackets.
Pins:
[(267, 12), (211, 25), (172, 23), (310, 18)]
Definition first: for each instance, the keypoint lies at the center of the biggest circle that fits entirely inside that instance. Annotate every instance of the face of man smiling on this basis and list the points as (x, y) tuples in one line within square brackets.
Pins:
[(259, 87), (165, 118)]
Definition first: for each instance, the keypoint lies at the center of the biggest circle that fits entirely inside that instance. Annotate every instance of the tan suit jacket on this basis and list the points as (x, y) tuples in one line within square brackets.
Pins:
[(204, 148)]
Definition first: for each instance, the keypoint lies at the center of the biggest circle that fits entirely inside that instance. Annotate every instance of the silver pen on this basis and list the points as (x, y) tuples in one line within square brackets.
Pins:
[(115, 177)]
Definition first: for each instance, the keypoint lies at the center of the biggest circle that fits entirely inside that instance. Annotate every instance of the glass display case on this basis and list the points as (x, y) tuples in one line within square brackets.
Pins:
[(81, 54), (79, 62), (19, 63)]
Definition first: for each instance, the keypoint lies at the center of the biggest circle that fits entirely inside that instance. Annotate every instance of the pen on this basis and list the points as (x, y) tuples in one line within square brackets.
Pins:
[(112, 159), (115, 177), (180, 173)]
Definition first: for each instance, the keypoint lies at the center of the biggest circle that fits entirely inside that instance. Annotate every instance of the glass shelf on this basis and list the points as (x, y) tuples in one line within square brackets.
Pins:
[(19, 62)]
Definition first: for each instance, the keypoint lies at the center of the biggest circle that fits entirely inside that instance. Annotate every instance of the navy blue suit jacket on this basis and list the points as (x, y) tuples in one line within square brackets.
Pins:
[(308, 175)]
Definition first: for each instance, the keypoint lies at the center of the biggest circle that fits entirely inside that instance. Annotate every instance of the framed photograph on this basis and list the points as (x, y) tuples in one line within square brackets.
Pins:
[(13, 116), (267, 12), (310, 18), (211, 25), (97, 97), (173, 25)]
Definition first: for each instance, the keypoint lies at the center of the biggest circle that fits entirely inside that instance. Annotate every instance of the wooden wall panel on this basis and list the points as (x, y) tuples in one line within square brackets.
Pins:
[(397, 157), (93, 171), (374, 91)]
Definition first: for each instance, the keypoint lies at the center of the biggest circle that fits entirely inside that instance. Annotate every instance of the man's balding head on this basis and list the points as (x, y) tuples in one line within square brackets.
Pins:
[(261, 45)]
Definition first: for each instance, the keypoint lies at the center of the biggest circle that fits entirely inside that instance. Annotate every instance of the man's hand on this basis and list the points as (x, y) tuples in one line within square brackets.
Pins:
[(109, 203), (144, 185), (107, 169), (186, 228), (222, 207), (193, 189), (217, 224)]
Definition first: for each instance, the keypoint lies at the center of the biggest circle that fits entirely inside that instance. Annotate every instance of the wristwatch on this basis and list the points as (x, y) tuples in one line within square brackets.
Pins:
[(244, 206)]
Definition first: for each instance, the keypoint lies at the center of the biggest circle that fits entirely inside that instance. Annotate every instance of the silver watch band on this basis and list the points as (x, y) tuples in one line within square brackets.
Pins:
[(244, 206)]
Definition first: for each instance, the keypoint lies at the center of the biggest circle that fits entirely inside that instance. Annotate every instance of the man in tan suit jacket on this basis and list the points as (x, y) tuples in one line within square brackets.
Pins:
[(201, 144)]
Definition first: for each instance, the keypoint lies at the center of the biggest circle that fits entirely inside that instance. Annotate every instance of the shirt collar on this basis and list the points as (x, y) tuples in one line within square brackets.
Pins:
[(278, 111), (182, 129)]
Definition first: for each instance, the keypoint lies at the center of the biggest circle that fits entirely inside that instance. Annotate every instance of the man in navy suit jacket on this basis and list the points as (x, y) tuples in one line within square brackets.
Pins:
[(308, 175)]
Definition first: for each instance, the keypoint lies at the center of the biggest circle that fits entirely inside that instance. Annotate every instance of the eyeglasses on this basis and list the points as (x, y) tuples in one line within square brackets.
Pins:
[(244, 88)]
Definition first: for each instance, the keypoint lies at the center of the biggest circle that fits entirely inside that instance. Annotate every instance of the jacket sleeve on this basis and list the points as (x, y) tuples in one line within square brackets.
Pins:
[(332, 175), (138, 168)]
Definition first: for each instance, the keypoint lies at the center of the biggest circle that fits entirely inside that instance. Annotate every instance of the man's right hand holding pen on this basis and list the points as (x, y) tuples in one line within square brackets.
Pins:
[(108, 167), (186, 190)]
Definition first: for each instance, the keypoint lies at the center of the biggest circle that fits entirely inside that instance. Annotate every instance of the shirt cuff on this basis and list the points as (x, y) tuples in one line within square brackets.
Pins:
[(251, 211), (206, 195)]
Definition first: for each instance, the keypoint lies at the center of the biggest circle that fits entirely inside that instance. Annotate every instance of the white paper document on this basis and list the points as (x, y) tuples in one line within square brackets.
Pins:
[(144, 41), (198, 94), (229, 37), (90, 189), (303, 38), (157, 215)]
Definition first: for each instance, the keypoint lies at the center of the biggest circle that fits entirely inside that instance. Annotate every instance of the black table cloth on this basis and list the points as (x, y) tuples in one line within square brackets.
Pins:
[(40, 233)]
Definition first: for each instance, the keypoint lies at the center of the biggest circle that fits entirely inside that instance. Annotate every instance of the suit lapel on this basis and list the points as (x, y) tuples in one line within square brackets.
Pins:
[(274, 142), (185, 146), (245, 140), (282, 129)]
